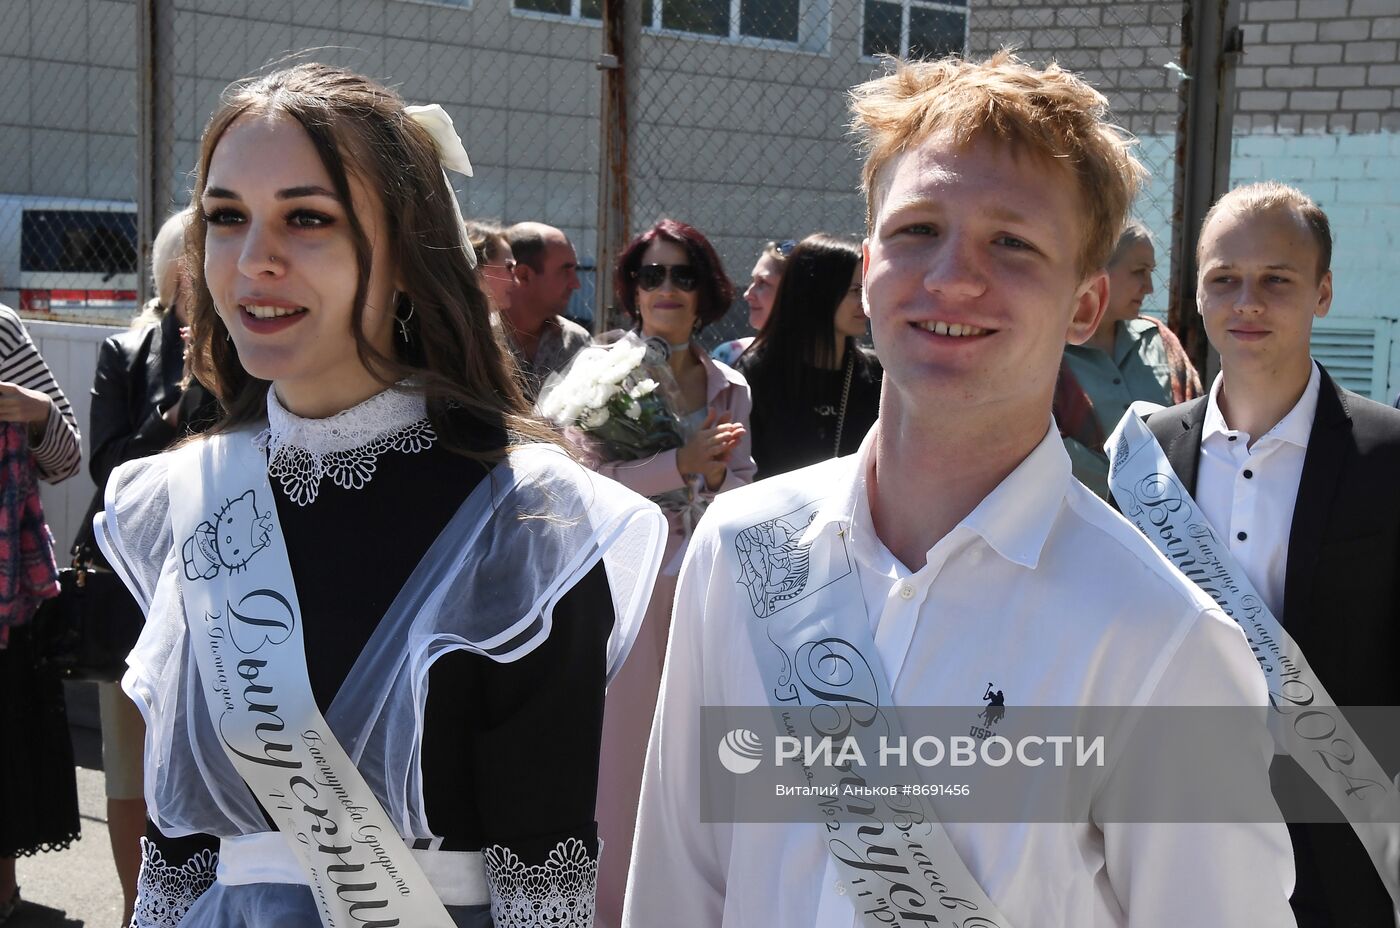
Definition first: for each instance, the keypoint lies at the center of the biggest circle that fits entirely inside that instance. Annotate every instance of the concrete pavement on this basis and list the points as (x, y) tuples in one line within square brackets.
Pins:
[(76, 888)]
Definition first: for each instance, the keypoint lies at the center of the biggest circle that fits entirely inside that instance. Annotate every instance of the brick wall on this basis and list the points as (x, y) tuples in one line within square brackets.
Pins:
[(1121, 48), (1318, 107), (1320, 66), (1124, 50)]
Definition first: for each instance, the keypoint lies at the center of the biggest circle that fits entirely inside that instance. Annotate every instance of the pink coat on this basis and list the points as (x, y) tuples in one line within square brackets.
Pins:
[(726, 391)]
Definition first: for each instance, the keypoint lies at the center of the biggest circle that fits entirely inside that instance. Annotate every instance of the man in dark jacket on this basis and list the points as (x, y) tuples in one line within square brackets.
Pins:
[(1299, 477)]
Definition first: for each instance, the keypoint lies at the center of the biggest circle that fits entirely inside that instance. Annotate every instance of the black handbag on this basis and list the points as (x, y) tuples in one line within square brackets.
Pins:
[(88, 629)]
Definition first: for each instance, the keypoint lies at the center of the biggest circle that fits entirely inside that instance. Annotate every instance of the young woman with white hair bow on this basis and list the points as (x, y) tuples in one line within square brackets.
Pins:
[(383, 604)]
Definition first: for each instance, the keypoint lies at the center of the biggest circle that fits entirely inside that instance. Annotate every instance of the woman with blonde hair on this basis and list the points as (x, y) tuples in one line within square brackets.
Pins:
[(143, 401), (1129, 357), (377, 586)]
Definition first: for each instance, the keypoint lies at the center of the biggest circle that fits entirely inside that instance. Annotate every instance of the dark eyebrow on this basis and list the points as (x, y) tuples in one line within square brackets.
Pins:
[(291, 193), (310, 190)]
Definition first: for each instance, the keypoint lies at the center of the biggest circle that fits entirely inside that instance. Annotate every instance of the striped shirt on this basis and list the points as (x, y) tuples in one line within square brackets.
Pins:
[(56, 451)]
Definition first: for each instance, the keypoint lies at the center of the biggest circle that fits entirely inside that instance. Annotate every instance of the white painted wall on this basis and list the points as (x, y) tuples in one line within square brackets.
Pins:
[(1356, 180), (71, 353)]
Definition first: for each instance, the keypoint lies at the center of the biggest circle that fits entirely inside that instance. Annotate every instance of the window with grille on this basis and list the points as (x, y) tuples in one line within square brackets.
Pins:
[(914, 28), (779, 23), (588, 10)]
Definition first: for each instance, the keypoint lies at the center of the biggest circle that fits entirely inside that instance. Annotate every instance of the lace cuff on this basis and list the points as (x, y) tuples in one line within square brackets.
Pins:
[(560, 893), (164, 893)]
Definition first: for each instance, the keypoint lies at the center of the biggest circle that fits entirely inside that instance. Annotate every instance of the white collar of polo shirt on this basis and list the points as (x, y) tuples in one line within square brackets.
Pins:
[(1014, 519)]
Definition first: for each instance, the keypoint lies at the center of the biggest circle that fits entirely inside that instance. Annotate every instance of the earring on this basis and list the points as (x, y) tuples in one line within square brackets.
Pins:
[(403, 320)]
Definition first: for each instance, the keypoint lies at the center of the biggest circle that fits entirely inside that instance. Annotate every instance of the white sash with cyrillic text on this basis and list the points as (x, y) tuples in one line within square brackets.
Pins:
[(1306, 722), (812, 638), (245, 630)]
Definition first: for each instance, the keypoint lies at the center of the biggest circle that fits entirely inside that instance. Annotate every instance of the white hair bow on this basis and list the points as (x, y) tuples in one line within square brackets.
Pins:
[(453, 155)]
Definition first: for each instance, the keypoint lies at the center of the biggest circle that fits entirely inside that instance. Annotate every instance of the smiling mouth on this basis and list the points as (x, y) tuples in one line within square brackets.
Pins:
[(271, 312), (955, 330)]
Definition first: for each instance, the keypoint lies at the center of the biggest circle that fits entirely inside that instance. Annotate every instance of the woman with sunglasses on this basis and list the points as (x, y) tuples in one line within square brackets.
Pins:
[(816, 392), (672, 284), (494, 260)]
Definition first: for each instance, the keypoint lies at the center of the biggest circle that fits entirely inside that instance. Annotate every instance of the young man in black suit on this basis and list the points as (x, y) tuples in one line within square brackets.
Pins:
[(1302, 479)]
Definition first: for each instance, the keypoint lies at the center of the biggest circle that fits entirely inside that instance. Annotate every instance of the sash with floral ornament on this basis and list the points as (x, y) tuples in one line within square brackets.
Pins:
[(245, 631), (1305, 721), (816, 653)]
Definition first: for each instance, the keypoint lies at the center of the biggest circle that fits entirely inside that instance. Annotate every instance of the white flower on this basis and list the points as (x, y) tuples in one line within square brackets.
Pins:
[(634, 410), (438, 124), (601, 393), (596, 418), (643, 388), (623, 360)]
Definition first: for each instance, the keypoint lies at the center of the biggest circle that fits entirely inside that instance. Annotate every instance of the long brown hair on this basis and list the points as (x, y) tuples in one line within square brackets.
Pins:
[(800, 334), (359, 127)]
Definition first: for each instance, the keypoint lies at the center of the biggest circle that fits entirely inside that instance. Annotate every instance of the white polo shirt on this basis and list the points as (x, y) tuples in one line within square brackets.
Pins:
[(1046, 592)]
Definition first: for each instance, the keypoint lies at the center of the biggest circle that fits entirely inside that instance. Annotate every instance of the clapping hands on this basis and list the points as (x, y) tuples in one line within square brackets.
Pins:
[(707, 453)]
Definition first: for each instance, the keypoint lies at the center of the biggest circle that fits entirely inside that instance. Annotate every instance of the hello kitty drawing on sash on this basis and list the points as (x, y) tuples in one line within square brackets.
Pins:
[(229, 539)]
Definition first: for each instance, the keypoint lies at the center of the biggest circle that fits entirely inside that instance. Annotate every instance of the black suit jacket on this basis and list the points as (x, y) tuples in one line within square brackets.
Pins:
[(1341, 605)]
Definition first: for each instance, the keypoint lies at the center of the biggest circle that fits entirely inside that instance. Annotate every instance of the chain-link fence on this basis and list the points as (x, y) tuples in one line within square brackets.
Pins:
[(67, 152), (518, 78), (1131, 53), (735, 112), (740, 117)]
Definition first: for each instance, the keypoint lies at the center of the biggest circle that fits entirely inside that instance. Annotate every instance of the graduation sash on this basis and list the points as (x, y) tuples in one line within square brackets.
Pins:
[(816, 653), (1306, 722), (245, 631)]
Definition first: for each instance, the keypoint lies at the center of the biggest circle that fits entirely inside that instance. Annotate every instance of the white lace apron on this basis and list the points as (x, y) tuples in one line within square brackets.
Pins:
[(468, 593)]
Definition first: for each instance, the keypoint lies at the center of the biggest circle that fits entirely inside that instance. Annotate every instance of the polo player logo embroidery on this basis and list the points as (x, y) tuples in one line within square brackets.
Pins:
[(996, 705), (994, 712), (228, 540)]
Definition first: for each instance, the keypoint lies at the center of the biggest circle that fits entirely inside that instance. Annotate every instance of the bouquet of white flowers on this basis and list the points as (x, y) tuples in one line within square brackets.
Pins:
[(620, 395)]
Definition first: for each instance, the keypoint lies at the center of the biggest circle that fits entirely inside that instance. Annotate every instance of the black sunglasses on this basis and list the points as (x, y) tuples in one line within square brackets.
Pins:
[(651, 276), (785, 247)]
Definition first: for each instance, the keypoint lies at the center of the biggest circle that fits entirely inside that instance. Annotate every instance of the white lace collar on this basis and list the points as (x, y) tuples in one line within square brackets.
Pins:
[(344, 447)]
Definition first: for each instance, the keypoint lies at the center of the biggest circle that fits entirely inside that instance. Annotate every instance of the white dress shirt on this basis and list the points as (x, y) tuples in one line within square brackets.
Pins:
[(1248, 493), (1045, 591)]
